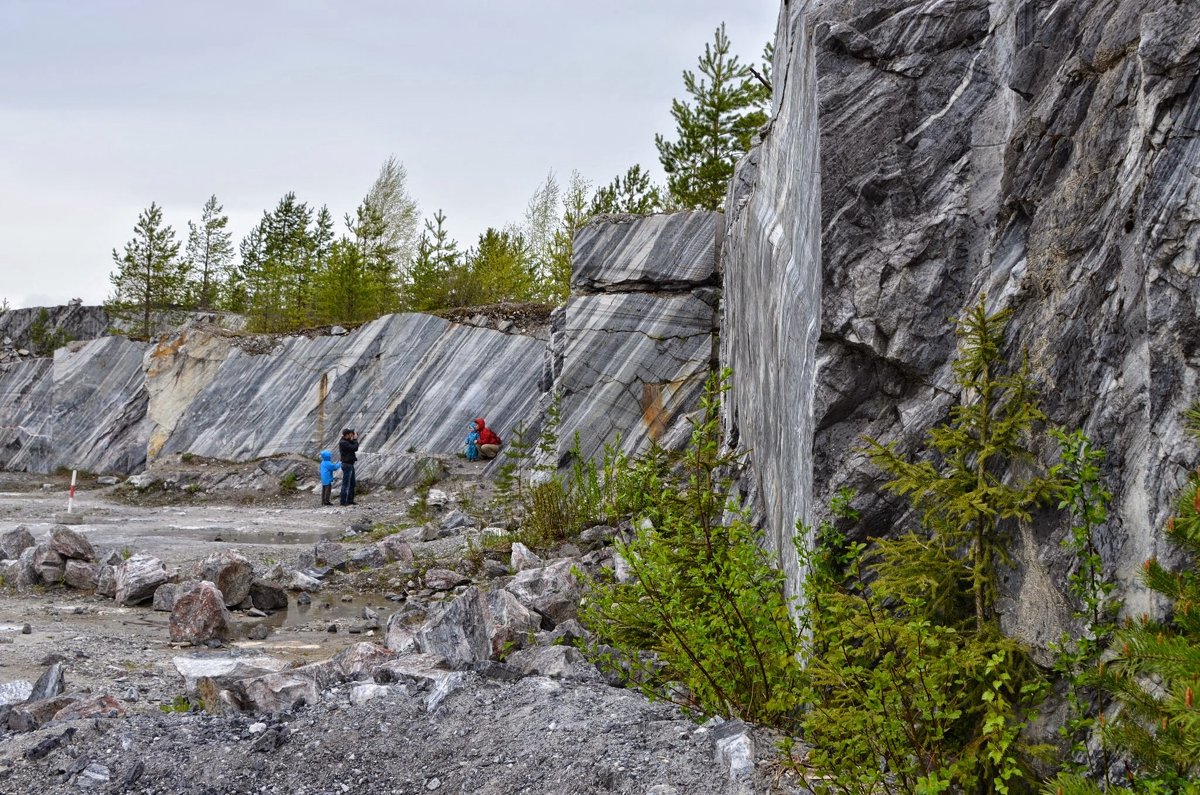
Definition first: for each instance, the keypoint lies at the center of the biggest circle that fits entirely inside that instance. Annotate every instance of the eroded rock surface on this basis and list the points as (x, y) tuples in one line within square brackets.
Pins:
[(1041, 154)]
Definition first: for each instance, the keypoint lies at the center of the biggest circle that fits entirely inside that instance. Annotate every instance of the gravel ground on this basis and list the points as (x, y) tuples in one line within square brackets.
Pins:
[(535, 735)]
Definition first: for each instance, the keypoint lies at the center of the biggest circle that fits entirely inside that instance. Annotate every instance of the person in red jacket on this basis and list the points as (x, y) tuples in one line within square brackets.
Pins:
[(489, 442)]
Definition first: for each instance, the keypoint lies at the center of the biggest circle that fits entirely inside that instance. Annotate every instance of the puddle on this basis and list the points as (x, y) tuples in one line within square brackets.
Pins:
[(344, 613)]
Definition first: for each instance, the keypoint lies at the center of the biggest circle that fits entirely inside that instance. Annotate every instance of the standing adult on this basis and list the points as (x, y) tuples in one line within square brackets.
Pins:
[(348, 450)]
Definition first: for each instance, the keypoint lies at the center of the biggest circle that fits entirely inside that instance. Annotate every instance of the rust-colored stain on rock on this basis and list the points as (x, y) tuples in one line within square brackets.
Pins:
[(654, 417)]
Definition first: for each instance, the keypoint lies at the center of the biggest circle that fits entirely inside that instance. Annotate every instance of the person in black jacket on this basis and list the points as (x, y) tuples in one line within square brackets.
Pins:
[(348, 450)]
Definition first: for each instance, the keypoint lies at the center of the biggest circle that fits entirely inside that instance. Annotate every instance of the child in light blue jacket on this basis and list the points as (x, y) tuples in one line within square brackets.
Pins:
[(328, 467), (473, 443)]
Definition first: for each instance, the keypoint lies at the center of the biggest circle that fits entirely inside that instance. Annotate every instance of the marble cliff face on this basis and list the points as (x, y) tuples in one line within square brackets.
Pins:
[(628, 356), (1041, 153)]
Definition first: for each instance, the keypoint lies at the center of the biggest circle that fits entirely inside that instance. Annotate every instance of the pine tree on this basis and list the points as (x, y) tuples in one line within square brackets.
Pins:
[(209, 255), (632, 193), (149, 276), (499, 269), (556, 283), (278, 266), (437, 258), (714, 130)]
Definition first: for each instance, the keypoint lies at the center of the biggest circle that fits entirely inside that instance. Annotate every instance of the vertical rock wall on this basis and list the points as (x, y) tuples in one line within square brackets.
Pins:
[(1041, 153), (773, 296), (633, 347)]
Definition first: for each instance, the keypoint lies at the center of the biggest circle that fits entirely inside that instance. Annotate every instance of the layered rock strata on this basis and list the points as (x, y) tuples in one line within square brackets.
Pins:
[(631, 350), (1042, 154)]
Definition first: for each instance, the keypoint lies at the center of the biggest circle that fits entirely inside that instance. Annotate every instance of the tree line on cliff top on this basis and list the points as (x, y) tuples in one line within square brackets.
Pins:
[(297, 269)]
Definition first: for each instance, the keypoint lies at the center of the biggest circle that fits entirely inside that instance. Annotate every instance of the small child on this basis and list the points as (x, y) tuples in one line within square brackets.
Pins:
[(328, 467), (473, 443)]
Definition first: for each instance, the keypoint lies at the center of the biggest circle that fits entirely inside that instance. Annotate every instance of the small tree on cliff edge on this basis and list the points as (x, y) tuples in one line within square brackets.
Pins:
[(149, 275), (714, 130)]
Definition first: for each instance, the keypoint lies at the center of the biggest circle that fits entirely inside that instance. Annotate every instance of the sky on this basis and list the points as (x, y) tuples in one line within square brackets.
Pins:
[(108, 105)]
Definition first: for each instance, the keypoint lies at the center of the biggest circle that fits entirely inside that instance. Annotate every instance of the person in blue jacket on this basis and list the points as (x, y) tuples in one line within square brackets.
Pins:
[(328, 467), (473, 443)]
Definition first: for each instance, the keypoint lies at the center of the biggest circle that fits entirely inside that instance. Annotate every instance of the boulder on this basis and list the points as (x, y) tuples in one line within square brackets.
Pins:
[(267, 597), (106, 581), (164, 595), (456, 520), (14, 542), (368, 557), (302, 582), (102, 706), (394, 548), (48, 564), (368, 691), (231, 573), (80, 574), (281, 691), (444, 579), (15, 692), (138, 578), (459, 632), (523, 558), (331, 553), (199, 614), (71, 544), (511, 623), (552, 591), (33, 714), (558, 661), (49, 685), (20, 573), (401, 628), (362, 659), (225, 669)]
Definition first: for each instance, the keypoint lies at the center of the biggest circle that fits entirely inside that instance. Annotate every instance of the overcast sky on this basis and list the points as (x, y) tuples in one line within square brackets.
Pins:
[(107, 105)]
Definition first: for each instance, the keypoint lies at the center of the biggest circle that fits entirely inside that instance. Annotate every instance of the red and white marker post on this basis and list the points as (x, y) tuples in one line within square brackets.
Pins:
[(71, 493)]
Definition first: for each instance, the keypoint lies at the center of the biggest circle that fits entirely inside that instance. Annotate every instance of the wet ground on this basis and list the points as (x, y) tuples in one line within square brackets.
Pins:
[(110, 648)]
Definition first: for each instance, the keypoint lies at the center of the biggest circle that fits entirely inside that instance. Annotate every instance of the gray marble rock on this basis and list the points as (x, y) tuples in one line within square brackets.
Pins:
[(624, 253), (15, 541), (71, 544), (1043, 157), (457, 632), (231, 572), (70, 321), (551, 591), (138, 578), (408, 384), (80, 574), (630, 365), (554, 661)]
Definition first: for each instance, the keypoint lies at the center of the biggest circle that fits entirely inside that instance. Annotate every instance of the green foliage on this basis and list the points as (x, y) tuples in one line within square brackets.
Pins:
[(1155, 674), (280, 259), (703, 597), (632, 193), (913, 687), (287, 483), (149, 277), (714, 129), (437, 258), (179, 704), (512, 477), (209, 255), (968, 499), (1077, 658), (43, 338)]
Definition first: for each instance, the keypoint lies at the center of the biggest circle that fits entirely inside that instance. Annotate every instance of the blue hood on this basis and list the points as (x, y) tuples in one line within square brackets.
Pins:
[(326, 455)]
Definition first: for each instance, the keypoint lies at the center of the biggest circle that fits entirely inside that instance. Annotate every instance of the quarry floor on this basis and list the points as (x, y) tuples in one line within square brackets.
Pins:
[(535, 735)]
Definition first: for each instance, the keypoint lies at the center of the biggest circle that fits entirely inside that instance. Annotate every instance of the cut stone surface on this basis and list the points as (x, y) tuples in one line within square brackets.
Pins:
[(138, 578), (557, 661)]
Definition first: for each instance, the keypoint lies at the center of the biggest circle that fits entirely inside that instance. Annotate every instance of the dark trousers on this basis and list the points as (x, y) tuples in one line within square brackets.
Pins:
[(347, 495), (325, 493)]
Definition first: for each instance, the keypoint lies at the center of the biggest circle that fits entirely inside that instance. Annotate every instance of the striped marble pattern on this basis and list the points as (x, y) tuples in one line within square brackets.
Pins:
[(409, 384), (657, 252), (84, 409)]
